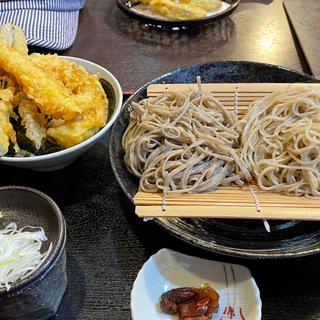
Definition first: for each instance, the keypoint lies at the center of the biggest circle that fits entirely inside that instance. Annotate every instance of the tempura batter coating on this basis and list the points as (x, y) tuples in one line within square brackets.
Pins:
[(52, 97), (181, 9), (47, 96), (13, 36), (77, 81), (33, 121), (75, 131), (7, 134)]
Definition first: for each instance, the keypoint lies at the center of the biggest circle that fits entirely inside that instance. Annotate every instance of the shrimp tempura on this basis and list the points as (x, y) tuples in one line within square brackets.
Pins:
[(50, 95)]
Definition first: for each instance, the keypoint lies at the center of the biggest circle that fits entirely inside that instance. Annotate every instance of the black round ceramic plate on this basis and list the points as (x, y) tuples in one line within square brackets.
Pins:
[(134, 10), (245, 238)]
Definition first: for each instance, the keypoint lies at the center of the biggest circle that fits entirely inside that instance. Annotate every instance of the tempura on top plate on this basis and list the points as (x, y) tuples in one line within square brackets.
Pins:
[(46, 103), (180, 9)]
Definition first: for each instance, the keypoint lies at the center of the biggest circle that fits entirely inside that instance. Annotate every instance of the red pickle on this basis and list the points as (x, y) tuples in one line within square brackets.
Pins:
[(191, 303)]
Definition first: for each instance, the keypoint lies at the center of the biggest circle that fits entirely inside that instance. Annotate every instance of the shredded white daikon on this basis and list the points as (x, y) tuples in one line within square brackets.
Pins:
[(20, 253)]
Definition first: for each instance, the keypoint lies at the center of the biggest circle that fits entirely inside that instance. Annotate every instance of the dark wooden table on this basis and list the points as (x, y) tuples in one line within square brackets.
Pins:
[(257, 31), (107, 244)]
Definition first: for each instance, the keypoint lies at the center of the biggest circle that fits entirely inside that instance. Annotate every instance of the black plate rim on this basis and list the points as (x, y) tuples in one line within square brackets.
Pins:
[(162, 222), (229, 251), (178, 23)]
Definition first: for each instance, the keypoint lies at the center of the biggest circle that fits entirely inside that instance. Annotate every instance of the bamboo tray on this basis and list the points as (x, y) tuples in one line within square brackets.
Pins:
[(229, 202), (246, 93), (225, 203)]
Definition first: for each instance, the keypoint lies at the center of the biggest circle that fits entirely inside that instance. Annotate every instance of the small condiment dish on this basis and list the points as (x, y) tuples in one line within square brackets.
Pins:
[(60, 159), (167, 269), (38, 295)]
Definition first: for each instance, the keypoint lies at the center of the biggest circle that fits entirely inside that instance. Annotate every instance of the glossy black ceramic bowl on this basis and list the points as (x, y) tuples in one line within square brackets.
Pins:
[(38, 296), (245, 238)]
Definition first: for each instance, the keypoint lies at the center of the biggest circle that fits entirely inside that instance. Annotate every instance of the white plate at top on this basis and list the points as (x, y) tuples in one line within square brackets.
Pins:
[(167, 269)]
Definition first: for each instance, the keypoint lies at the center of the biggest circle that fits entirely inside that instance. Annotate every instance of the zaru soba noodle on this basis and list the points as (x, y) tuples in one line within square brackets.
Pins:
[(183, 142), (281, 142), (189, 143)]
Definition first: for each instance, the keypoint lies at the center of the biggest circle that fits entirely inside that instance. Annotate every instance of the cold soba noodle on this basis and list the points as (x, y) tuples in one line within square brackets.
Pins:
[(189, 143), (281, 142), (183, 142)]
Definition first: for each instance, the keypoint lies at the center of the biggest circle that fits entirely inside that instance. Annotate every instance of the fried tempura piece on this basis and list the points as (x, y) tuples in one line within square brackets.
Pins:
[(33, 121), (52, 97), (13, 36), (182, 9), (7, 133), (6, 95), (77, 81), (46, 88), (207, 5), (7, 100), (176, 10), (75, 131), (8, 86)]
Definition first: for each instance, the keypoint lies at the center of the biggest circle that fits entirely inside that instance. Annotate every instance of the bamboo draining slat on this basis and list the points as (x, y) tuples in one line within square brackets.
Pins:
[(226, 212), (233, 197), (236, 203), (248, 90), (225, 92), (229, 202)]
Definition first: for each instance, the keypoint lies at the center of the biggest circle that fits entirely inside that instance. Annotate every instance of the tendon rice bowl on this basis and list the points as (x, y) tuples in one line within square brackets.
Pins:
[(63, 158)]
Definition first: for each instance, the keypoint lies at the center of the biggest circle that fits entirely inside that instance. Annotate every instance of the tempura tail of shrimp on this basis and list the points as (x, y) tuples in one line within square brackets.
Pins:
[(51, 96), (7, 133)]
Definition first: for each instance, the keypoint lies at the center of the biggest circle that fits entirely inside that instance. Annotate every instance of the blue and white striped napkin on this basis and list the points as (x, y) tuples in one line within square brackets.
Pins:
[(51, 24)]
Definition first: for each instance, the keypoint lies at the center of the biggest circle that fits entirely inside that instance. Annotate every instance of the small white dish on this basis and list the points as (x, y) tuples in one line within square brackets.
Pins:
[(60, 159), (167, 269)]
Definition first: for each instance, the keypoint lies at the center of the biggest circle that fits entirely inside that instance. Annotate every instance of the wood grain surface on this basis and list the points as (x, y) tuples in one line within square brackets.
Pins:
[(257, 31), (305, 19)]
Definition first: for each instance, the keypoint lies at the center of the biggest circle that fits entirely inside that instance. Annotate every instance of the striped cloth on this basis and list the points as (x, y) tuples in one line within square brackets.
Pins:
[(51, 24)]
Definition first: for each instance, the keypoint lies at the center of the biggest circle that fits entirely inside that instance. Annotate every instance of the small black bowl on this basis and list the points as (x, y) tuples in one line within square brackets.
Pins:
[(38, 296)]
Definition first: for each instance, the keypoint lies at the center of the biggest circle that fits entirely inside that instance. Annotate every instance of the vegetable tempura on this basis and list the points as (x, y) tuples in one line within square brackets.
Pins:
[(46, 102)]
